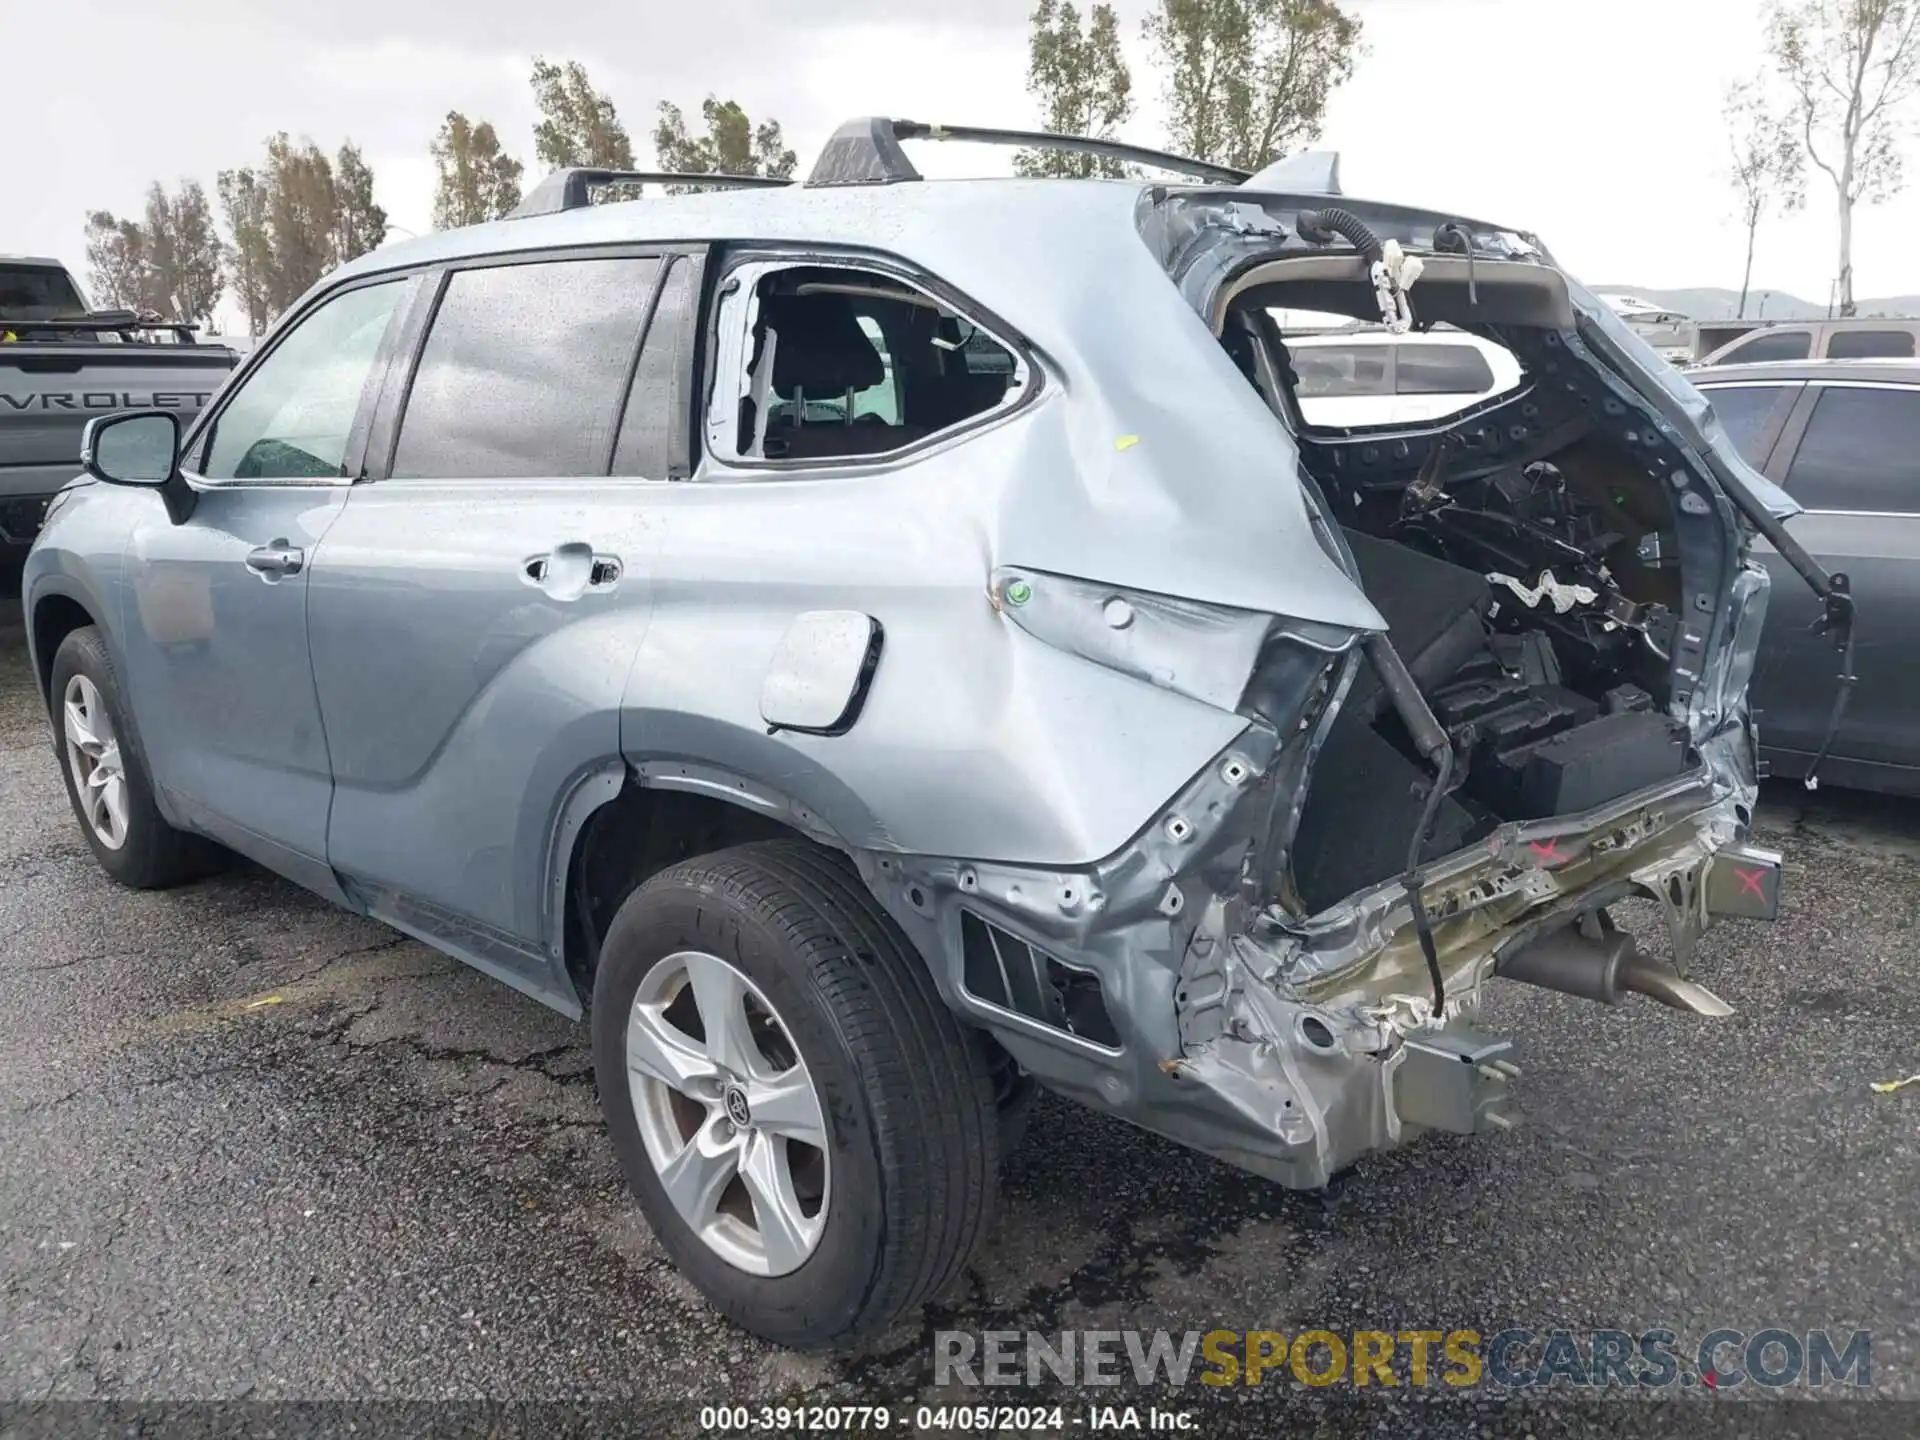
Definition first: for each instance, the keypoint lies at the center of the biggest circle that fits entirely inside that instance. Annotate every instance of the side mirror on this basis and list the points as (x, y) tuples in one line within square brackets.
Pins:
[(139, 447)]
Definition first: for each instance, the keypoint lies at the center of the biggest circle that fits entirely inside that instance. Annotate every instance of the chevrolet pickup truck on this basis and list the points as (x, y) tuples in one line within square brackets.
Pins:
[(61, 364)]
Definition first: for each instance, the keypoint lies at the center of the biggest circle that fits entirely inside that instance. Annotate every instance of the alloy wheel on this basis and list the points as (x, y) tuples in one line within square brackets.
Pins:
[(727, 1112), (93, 757)]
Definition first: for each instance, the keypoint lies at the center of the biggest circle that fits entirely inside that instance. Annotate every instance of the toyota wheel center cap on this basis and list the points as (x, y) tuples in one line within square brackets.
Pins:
[(735, 1100)]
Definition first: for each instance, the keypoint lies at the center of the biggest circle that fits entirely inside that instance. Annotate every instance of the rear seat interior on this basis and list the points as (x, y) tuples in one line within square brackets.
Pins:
[(820, 352), (823, 358)]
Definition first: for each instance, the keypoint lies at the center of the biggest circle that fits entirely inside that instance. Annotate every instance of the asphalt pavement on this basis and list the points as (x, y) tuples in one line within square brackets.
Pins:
[(257, 1148)]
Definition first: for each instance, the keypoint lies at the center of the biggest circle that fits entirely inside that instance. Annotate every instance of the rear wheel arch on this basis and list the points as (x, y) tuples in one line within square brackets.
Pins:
[(642, 830)]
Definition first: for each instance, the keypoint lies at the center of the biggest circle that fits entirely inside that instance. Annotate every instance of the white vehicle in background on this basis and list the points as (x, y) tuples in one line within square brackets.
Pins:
[(1669, 332), (1370, 376)]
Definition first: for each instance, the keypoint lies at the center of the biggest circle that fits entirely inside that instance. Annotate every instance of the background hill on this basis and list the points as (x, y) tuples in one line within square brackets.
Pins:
[(1712, 303)]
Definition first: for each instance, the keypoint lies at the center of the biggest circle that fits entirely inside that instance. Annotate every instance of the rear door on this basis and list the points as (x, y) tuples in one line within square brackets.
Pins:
[(1851, 456), (478, 604)]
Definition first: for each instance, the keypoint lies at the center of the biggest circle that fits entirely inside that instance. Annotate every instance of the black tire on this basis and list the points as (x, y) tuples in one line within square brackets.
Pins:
[(905, 1089), (154, 855)]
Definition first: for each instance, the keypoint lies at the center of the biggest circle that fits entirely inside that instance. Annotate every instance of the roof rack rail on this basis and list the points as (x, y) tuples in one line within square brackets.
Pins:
[(866, 151), (572, 187)]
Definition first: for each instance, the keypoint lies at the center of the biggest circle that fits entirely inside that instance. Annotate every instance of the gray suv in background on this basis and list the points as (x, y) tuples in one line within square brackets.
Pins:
[(817, 634), (1843, 438)]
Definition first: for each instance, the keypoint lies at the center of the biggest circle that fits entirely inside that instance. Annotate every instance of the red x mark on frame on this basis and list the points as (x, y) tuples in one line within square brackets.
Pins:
[(1546, 852), (1752, 882)]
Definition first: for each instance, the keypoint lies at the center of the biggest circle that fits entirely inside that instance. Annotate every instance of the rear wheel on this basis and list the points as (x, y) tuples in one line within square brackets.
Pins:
[(106, 777), (809, 1130)]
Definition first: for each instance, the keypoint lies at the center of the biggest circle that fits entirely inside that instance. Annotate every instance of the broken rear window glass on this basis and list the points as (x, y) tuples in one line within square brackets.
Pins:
[(844, 362)]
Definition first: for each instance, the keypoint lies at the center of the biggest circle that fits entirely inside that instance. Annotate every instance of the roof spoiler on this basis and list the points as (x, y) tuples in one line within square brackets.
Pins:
[(1311, 172), (572, 187), (866, 151)]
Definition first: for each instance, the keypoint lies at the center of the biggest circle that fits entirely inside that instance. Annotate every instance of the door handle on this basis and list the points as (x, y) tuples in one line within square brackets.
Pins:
[(272, 562), (570, 570)]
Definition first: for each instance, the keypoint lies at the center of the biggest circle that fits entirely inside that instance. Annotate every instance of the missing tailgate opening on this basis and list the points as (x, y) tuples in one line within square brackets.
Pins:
[(1547, 563)]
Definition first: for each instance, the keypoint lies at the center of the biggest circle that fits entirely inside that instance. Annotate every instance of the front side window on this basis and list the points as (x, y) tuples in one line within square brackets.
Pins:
[(1774, 345), (1861, 452), (838, 362), (1440, 370), (524, 370), (292, 418), (1870, 345), (1329, 372)]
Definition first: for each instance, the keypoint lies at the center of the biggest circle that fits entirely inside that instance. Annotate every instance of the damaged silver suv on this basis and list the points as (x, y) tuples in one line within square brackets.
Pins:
[(876, 647)]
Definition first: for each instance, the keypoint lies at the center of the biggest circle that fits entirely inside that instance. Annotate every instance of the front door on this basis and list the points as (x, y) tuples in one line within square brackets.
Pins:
[(216, 630)]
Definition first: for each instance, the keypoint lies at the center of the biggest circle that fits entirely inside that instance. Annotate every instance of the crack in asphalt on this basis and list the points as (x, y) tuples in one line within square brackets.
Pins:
[(57, 964), (319, 967)]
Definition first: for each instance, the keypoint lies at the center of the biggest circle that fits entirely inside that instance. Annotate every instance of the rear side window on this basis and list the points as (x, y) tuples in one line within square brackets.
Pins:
[(1747, 414), (1774, 345), (525, 370), (1440, 370), (1870, 345), (1330, 371), (1861, 452), (831, 363)]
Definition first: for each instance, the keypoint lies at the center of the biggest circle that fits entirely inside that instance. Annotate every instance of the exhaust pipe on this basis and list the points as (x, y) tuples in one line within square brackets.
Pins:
[(1593, 960)]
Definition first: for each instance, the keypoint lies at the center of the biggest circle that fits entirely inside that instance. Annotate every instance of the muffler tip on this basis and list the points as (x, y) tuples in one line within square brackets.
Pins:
[(1604, 966), (1647, 976)]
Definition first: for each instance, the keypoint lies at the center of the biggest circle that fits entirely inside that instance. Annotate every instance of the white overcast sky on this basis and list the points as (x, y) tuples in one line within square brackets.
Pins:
[(1597, 123)]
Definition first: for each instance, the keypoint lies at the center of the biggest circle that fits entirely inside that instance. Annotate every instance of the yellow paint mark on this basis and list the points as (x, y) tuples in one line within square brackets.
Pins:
[(1887, 1087), (1126, 442), (345, 979)]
